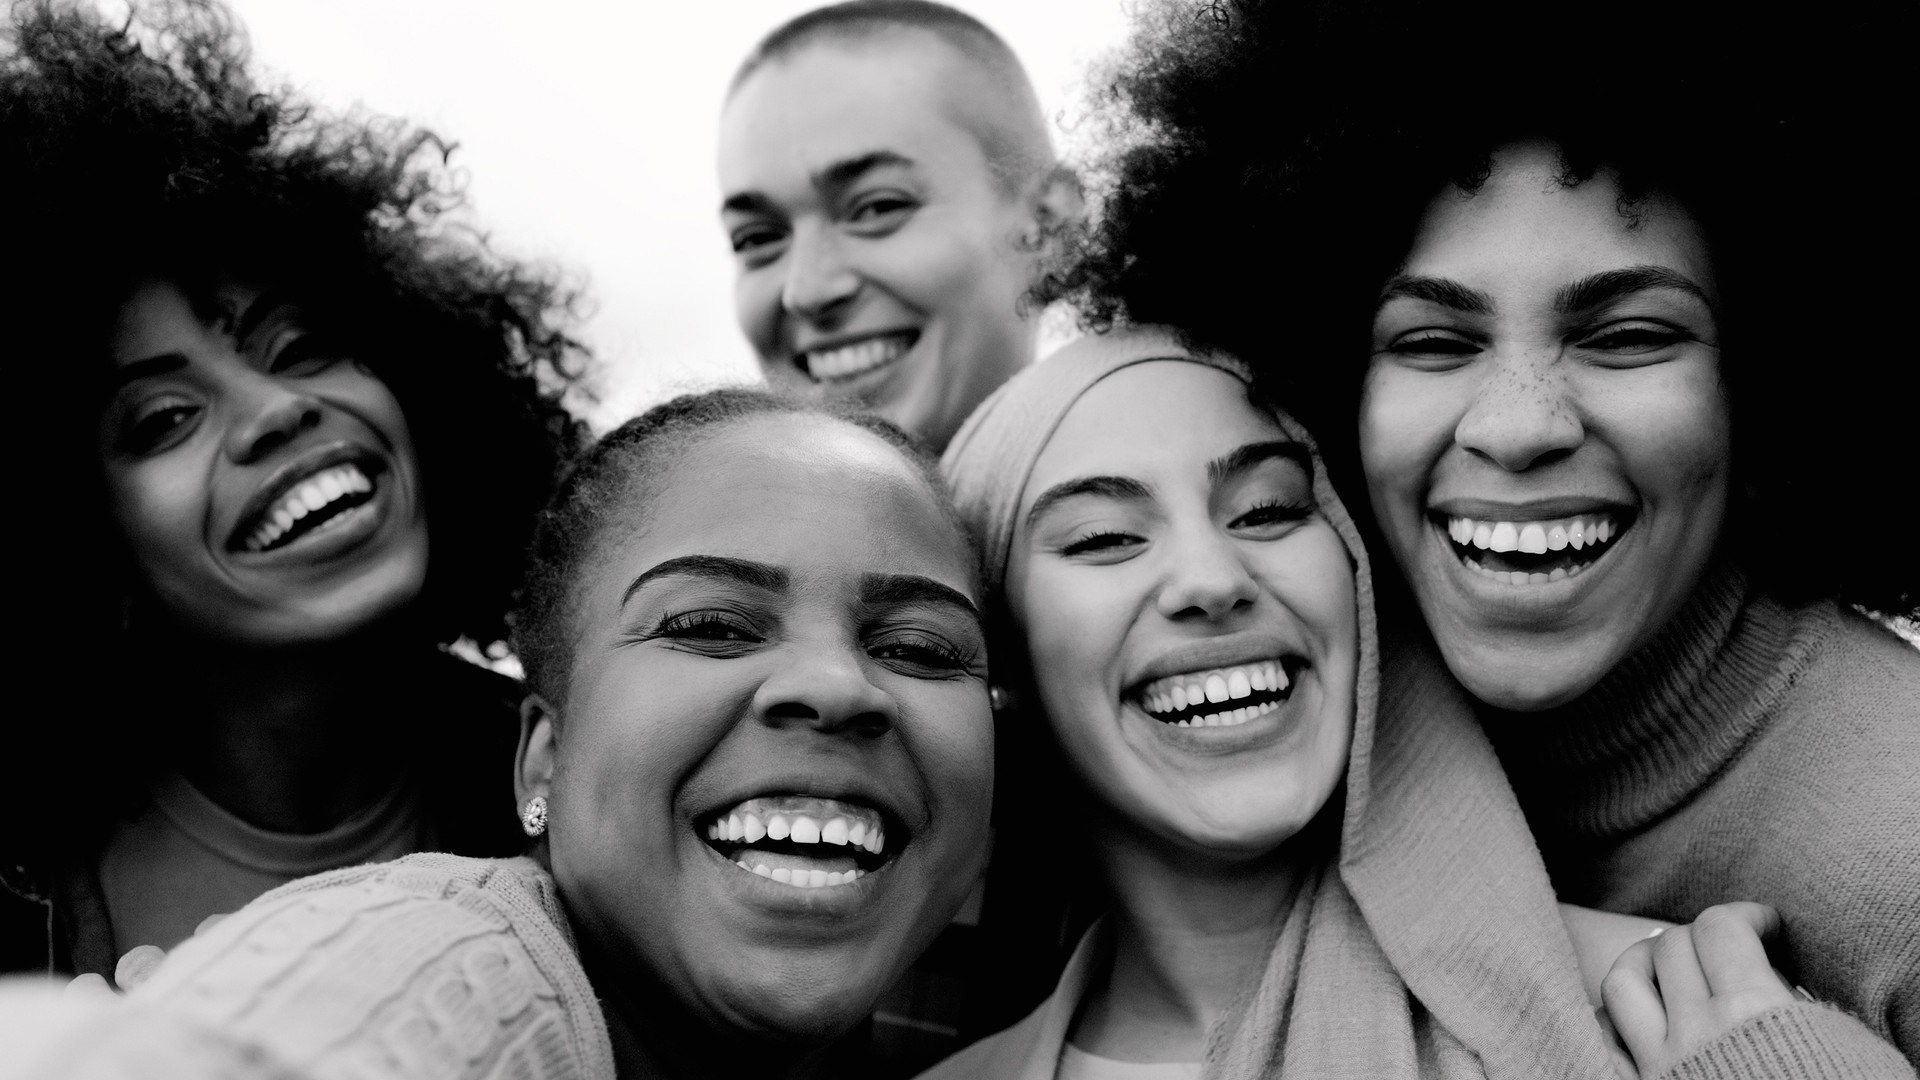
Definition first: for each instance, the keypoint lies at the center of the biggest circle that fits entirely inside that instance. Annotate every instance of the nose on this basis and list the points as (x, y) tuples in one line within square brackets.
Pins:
[(1206, 578), (1522, 413), (820, 280), (824, 686), (272, 413)]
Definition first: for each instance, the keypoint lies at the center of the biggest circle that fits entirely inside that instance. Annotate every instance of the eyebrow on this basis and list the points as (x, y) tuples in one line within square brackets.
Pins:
[(1610, 286), (900, 590), (1105, 487), (266, 304), (1441, 291), (146, 368), (758, 575), (831, 180), (1222, 469)]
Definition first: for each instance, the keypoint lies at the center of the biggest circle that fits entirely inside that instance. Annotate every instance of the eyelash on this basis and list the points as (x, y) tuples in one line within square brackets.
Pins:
[(1277, 511), (1099, 541), (684, 627), (944, 656), (146, 432)]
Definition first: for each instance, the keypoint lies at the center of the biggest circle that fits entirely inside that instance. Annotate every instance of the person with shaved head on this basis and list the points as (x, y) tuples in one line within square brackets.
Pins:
[(887, 184)]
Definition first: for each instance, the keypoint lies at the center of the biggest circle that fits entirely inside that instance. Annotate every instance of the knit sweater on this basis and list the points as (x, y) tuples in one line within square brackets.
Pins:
[(1752, 751), (431, 967)]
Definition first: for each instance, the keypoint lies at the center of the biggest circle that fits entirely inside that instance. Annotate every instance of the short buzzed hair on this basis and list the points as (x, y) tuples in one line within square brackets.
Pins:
[(1017, 151)]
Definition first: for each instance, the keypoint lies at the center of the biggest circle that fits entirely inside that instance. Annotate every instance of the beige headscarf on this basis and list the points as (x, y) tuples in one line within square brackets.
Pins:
[(1436, 949)]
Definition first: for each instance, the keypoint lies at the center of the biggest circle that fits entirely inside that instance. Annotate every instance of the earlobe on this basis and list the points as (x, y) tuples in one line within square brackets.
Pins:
[(539, 741)]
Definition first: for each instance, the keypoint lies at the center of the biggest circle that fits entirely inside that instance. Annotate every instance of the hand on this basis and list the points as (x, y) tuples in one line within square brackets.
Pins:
[(1674, 992)]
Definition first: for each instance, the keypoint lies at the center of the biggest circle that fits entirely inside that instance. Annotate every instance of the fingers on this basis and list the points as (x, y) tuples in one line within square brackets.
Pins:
[(139, 962), (89, 985), (210, 922), (1727, 939), (1632, 1001)]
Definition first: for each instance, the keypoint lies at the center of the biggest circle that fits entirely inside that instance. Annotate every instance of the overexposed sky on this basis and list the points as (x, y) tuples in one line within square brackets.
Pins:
[(586, 131)]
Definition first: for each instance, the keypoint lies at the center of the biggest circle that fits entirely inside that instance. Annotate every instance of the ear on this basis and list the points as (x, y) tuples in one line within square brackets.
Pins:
[(1057, 200), (539, 740)]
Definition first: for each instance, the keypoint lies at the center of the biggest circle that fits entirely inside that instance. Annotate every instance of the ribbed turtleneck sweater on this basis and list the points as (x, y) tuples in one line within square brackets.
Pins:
[(1752, 751)]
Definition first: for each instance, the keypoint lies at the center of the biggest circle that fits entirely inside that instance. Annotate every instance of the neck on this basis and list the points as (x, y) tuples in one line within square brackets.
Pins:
[(292, 739), (655, 1038), (1191, 932)]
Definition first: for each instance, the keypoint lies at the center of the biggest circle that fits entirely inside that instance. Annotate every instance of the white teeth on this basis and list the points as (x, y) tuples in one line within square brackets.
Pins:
[(805, 879), (777, 827), (857, 358), (804, 830), (754, 830), (1532, 537), (1180, 693), (1239, 684), (857, 835), (1230, 717), (835, 831), (315, 493)]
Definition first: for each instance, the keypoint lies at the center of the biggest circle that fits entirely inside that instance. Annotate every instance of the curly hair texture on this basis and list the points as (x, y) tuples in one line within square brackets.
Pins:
[(1266, 163), (144, 148), (613, 482)]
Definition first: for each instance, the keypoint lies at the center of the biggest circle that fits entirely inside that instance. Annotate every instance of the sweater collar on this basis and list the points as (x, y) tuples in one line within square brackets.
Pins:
[(1659, 726)]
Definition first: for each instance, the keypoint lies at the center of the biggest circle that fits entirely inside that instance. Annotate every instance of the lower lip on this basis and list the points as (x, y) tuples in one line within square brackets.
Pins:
[(779, 898), (1527, 601), (1257, 732), (337, 537)]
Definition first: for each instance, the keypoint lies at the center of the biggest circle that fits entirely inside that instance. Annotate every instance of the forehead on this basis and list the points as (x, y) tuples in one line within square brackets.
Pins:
[(904, 92), (824, 499), (1523, 226), (1163, 417)]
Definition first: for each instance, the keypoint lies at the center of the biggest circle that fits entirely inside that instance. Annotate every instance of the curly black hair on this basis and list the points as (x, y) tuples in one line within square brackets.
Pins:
[(612, 483), (1266, 162), (144, 148)]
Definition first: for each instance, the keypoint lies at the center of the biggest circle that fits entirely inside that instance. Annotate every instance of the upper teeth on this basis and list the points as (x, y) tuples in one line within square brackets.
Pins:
[(314, 493), (752, 820), (1533, 537), (861, 356), (1179, 692)]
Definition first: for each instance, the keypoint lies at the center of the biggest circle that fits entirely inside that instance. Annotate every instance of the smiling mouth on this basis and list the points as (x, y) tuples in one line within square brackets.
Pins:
[(852, 360), (1220, 697), (309, 506), (801, 840), (1534, 552)]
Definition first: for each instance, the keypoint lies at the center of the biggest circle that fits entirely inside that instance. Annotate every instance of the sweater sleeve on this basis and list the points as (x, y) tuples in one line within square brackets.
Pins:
[(430, 968), (1801, 1041)]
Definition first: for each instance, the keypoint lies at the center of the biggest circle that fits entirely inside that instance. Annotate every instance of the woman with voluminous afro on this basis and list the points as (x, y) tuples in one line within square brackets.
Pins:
[(1601, 296), (281, 426)]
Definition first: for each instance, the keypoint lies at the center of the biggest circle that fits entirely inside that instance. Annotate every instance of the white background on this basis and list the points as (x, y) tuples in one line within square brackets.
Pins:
[(586, 133)]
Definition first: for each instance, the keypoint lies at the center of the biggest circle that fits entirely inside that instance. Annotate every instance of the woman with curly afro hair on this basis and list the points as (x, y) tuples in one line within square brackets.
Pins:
[(280, 432), (1592, 303)]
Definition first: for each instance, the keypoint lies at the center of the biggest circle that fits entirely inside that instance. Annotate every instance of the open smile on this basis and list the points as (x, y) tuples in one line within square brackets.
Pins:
[(323, 495), (1220, 697), (1534, 552), (806, 841), (849, 360)]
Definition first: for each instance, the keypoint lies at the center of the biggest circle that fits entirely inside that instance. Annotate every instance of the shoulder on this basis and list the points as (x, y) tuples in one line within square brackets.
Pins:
[(428, 957), (1013, 1054)]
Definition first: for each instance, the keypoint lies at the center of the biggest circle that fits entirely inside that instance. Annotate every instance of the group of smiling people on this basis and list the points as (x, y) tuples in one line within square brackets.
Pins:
[(1389, 642)]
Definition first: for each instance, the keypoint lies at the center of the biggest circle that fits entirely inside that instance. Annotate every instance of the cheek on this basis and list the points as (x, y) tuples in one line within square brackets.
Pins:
[(1677, 440), (756, 306), (1404, 424), (161, 508)]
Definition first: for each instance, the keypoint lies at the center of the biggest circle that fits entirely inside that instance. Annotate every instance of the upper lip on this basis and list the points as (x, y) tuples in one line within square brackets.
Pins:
[(290, 475), (1210, 653), (1563, 506)]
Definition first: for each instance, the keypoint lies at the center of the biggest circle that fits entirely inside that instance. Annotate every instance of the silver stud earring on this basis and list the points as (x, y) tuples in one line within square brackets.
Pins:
[(998, 699), (533, 816)]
